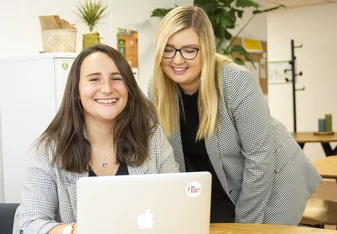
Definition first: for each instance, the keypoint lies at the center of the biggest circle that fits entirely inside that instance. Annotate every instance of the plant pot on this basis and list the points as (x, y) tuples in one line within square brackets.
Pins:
[(90, 39)]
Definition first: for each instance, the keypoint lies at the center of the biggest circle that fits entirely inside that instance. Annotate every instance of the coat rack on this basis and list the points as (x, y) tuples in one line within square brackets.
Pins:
[(293, 80)]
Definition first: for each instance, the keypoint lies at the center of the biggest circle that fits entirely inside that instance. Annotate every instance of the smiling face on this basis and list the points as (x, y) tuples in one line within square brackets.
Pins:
[(182, 71), (102, 90)]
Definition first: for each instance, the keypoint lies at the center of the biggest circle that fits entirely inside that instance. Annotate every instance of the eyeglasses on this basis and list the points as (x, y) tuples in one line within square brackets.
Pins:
[(188, 53)]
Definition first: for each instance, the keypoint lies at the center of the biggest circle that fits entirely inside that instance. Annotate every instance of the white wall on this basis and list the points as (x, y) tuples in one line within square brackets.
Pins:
[(315, 27), (257, 28)]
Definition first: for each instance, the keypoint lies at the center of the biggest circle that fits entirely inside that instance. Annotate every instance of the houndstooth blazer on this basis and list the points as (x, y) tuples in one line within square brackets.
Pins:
[(49, 195), (260, 166)]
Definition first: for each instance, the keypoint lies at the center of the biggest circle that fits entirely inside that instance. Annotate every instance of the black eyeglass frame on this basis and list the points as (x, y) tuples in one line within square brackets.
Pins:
[(179, 50)]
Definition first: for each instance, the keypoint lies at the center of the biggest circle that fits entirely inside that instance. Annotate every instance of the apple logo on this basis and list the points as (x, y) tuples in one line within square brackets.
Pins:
[(145, 220)]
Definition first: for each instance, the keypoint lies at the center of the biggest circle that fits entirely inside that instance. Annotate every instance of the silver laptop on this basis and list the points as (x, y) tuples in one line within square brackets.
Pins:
[(176, 203)]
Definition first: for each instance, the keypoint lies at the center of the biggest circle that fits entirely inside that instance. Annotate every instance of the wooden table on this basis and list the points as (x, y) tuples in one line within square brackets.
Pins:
[(327, 167), (239, 228), (306, 137)]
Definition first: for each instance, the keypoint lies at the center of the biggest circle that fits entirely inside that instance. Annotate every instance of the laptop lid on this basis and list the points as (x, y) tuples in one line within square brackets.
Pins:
[(176, 203)]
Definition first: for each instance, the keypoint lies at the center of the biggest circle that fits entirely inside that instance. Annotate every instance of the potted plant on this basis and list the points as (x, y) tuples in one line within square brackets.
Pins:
[(223, 15), (91, 13)]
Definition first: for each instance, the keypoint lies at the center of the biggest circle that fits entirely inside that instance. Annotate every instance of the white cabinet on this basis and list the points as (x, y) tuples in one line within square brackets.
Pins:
[(31, 91)]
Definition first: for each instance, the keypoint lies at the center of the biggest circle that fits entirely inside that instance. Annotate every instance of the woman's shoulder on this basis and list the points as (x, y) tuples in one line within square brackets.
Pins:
[(226, 65), (158, 140), (231, 68), (44, 152), (157, 132), (232, 74), (236, 81)]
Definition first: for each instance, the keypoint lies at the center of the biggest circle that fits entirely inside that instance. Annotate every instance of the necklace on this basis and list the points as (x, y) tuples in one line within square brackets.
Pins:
[(104, 163)]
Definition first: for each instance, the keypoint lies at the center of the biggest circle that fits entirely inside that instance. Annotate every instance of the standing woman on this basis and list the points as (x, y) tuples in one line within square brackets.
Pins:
[(104, 127), (216, 119)]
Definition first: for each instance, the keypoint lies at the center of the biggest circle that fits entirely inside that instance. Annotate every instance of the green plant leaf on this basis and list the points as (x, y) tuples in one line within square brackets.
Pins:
[(239, 61), (246, 3), (242, 51), (227, 53), (160, 12), (226, 3), (91, 13), (228, 19), (209, 6), (238, 12), (228, 35)]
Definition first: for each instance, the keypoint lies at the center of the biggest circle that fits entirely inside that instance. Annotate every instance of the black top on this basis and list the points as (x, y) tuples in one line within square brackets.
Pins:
[(122, 170), (196, 159)]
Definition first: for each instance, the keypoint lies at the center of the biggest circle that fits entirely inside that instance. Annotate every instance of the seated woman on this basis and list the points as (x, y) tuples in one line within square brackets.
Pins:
[(105, 127)]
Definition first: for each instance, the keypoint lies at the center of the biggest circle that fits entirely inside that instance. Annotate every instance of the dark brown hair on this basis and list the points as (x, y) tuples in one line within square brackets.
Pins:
[(132, 131)]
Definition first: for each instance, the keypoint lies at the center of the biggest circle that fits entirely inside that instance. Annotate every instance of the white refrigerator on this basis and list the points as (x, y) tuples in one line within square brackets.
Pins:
[(31, 90)]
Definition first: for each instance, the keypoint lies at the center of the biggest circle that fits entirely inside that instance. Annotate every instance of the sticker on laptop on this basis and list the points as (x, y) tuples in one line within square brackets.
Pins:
[(193, 189)]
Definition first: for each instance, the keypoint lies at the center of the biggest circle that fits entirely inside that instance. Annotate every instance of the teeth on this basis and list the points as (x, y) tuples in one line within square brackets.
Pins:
[(179, 69), (107, 101)]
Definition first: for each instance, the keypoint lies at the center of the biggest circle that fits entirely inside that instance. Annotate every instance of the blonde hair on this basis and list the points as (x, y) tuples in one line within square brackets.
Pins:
[(164, 89)]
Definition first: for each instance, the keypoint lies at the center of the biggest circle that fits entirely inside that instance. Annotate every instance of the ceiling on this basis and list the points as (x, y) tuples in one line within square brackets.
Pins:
[(299, 3)]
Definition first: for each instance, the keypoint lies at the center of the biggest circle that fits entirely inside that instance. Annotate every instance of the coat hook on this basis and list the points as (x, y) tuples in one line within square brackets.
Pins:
[(301, 89), (299, 74), (286, 70), (288, 80), (300, 46)]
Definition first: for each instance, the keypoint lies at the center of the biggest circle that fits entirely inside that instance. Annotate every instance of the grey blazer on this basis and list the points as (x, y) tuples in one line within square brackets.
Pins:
[(49, 195), (260, 166)]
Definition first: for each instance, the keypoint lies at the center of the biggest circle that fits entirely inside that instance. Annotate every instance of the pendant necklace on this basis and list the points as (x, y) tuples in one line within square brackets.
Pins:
[(104, 164)]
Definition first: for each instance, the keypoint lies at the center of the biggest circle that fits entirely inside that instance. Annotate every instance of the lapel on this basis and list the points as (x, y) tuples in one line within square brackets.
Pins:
[(139, 170), (213, 144), (212, 148), (72, 178), (175, 141)]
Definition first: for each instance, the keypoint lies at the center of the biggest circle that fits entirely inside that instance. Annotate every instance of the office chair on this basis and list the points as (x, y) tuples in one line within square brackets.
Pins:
[(7, 213)]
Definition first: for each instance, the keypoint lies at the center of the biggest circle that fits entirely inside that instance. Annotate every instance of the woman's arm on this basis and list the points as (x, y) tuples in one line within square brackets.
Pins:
[(162, 150), (252, 120), (39, 200)]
